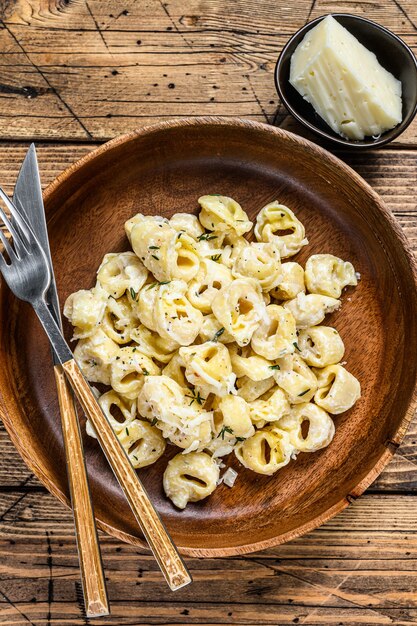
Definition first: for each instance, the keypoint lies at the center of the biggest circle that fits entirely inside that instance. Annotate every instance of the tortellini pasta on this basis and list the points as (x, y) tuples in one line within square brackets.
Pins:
[(178, 412), (190, 478), (260, 261), (128, 371), (291, 282), (208, 368), (239, 307), (187, 223), (122, 272), (276, 334), (223, 213), (85, 310), (175, 317), (214, 344), (266, 451), (95, 354), (311, 309), (320, 346), (210, 278), (143, 443), (273, 223), (164, 251), (319, 432), (328, 275), (338, 389)]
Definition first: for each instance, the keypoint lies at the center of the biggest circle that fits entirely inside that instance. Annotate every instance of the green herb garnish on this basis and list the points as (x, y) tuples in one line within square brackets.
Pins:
[(133, 294), (154, 421), (225, 429), (154, 247), (163, 282), (206, 237), (238, 439), (145, 371), (195, 397), (274, 367), (216, 257), (295, 344), (155, 257), (127, 431), (303, 393), (218, 334)]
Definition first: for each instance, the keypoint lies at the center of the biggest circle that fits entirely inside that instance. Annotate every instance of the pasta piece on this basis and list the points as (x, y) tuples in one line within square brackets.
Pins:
[(233, 245), (245, 362), (338, 389), (291, 283), (299, 383), (270, 407), (128, 372), (272, 225), (208, 368), (266, 451), (175, 317), (239, 307), (232, 424), (251, 390), (190, 478), (223, 213), (205, 286), (138, 218), (119, 320), (260, 261), (187, 223), (276, 334), (152, 345), (328, 275), (310, 310), (176, 370), (166, 253), (119, 411), (95, 354), (320, 346), (121, 272), (85, 309), (212, 330), (177, 412), (143, 443), (320, 427)]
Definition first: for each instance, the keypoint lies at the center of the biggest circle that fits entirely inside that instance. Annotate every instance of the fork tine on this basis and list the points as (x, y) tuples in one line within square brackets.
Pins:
[(20, 222), (7, 246), (18, 240), (3, 264)]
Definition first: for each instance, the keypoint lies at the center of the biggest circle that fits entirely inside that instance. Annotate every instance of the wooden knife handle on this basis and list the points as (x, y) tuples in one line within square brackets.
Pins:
[(92, 576), (166, 554)]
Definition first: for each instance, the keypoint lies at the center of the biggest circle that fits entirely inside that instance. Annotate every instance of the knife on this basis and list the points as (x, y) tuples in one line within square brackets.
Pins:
[(28, 199)]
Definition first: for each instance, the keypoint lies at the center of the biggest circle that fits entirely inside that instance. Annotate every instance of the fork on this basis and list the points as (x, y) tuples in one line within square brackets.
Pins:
[(28, 276)]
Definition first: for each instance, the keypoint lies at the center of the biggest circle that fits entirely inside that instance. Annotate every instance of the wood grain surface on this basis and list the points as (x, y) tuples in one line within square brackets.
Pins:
[(69, 79)]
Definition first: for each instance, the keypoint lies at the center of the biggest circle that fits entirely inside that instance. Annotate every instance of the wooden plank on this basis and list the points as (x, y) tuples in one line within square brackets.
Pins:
[(392, 173), (89, 71), (360, 568)]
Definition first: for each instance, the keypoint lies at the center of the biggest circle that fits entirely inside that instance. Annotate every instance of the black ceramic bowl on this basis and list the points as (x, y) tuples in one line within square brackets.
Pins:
[(393, 54)]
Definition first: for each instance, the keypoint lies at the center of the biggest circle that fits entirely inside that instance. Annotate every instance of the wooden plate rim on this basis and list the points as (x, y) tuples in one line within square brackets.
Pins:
[(391, 446)]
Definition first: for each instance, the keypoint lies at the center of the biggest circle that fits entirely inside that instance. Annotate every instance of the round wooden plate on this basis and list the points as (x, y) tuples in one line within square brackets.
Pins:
[(162, 170)]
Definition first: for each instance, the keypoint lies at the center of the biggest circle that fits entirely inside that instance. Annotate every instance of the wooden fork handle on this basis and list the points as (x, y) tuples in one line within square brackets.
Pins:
[(92, 576), (170, 562)]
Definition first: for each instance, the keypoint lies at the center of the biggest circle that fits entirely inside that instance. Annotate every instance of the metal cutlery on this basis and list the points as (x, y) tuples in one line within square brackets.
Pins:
[(28, 199), (28, 275)]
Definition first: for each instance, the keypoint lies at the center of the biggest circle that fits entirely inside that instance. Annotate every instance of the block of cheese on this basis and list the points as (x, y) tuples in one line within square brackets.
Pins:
[(345, 82)]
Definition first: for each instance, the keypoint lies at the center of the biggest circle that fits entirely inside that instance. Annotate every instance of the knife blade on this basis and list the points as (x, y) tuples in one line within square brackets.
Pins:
[(29, 201)]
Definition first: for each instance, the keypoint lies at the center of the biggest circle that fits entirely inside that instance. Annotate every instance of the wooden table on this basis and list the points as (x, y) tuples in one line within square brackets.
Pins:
[(75, 73)]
